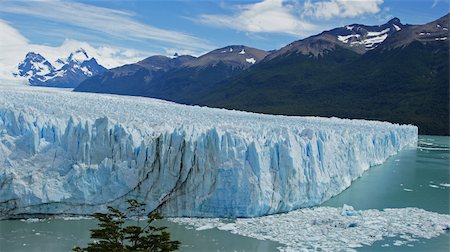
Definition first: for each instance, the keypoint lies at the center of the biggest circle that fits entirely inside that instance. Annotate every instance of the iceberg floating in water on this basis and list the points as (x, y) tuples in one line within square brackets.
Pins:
[(328, 229), (76, 153)]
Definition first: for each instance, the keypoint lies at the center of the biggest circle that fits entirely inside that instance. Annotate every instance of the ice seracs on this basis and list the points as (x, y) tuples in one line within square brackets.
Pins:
[(65, 152)]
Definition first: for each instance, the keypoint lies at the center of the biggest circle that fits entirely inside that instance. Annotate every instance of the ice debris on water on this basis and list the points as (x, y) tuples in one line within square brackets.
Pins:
[(348, 211), (333, 229)]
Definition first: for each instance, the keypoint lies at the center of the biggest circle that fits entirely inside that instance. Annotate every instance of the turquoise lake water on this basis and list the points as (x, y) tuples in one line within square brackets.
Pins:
[(413, 178)]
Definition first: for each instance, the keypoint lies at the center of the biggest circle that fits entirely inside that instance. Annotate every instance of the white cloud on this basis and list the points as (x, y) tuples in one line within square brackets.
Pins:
[(120, 24), (14, 46), (269, 16), (289, 16), (340, 8)]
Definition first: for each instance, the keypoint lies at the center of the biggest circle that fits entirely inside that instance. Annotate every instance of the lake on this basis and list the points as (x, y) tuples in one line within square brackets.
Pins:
[(413, 178)]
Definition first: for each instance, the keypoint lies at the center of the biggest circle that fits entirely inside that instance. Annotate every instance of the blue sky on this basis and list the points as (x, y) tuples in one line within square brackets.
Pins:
[(134, 29)]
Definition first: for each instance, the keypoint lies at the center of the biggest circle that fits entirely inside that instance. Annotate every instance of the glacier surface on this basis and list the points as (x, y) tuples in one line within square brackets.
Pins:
[(76, 153)]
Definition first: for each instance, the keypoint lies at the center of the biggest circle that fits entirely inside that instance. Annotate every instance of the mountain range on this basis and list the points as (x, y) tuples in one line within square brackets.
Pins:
[(67, 72), (404, 79), (175, 78), (394, 72)]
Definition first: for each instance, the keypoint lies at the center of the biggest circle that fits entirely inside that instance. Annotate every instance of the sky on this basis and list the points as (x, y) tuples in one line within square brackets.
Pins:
[(125, 31)]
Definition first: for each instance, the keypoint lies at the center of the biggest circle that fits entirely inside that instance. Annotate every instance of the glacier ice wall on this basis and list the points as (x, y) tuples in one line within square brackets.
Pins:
[(75, 153)]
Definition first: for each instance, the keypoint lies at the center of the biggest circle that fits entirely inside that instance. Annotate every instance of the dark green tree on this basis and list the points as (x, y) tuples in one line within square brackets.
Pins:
[(113, 235)]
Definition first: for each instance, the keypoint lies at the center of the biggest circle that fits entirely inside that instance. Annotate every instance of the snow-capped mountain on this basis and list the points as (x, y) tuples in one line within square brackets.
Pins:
[(356, 37), (68, 72), (346, 72), (35, 65), (366, 37), (436, 31)]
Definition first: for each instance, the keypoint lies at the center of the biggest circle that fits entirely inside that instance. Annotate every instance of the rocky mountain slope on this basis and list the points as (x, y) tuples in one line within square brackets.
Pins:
[(174, 78), (404, 79)]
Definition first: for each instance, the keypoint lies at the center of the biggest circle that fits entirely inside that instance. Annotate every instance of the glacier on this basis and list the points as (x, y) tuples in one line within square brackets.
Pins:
[(64, 152)]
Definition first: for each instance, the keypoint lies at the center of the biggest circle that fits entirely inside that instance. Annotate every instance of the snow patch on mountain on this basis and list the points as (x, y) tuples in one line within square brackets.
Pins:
[(66, 152), (374, 34), (370, 42), (251, 60), (346, 38), (367, 37)]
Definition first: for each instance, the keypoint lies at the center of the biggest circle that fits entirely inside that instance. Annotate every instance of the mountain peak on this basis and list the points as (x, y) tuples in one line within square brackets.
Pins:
[(36, 57), (67, 72), (394, 20), (359, 38), (79, 55), (33, 64), (236, 56)]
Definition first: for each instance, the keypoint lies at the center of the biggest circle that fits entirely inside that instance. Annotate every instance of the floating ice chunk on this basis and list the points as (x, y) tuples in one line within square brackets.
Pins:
[(205, 227), (433, 186), (75, 218), (31, 220), (445, 184), (408, 190), (227, 227), (348, 211), (399, 243)]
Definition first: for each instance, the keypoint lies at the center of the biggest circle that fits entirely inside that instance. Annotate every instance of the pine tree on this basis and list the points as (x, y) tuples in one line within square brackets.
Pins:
[(113, 235)]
